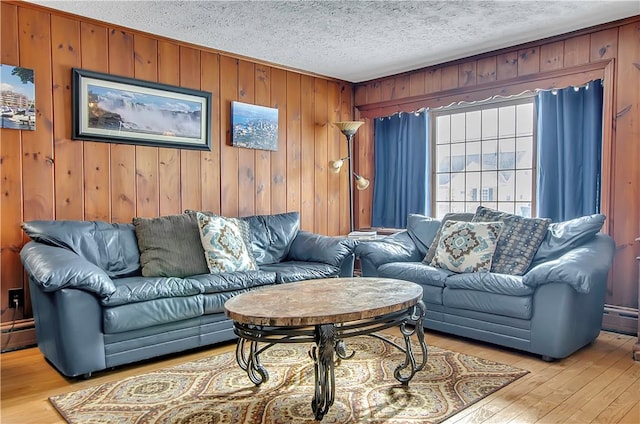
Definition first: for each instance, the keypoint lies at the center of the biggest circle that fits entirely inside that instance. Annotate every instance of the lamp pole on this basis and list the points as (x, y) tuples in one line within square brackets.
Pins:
[(351, 225)]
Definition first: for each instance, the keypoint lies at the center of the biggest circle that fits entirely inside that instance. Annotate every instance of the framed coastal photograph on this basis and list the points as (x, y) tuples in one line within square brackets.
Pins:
[(17, 98), (254, 127), (116, 109)]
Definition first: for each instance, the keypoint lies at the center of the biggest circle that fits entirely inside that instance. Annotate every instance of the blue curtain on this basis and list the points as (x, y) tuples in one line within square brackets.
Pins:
[(401, 169), (569, 151)]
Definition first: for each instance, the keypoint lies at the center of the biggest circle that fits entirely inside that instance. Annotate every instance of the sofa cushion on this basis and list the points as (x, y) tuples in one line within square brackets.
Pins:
[(112, 247), (467, 246), (561, 237), (452, 216), (490, 282), (232, 281), (142, 289), (170, 246), (224, 244), (491, 303), (417, 272), (290, 271), (272, 235), (422, 230), (518, 241)]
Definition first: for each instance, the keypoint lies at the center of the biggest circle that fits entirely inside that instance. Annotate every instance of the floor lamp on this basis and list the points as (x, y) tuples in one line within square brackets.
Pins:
[(349, 128)]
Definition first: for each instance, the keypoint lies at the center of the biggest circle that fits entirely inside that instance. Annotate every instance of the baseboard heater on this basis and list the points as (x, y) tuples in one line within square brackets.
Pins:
[(620, 319)]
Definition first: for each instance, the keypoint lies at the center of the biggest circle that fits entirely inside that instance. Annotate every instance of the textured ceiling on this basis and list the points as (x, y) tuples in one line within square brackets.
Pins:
[(354, 40)]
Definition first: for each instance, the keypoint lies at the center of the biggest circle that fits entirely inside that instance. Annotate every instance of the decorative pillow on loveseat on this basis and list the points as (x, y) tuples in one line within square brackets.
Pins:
[(451, 216), (466, 246), (170, 246), (518, 241), (224, 246)]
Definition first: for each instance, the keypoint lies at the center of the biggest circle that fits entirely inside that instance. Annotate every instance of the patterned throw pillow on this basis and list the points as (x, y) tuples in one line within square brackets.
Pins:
[(518, 242), (224, 247), (466, 246)]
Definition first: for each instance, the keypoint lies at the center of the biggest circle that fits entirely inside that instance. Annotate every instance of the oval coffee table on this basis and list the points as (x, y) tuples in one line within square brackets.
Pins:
[(325, 312)]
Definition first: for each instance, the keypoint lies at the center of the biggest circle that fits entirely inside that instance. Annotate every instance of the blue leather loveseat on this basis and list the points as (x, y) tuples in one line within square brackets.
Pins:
[(552, 309), (94, 309)]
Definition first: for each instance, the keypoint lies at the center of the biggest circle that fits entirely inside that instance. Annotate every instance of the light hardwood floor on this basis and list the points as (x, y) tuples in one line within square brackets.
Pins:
[(600, 383)]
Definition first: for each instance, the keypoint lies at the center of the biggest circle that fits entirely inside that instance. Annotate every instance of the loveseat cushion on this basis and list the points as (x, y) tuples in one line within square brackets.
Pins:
[(561, 237), (491, 303), (111, 247), (272, 235), (416, 272), (518, 241), (511, 285), (422, 230), (290, 271), (170, 246)]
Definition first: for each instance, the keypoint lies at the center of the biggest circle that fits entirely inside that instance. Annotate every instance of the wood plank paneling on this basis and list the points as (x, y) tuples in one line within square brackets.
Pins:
[(321, 159), (210, 161), (604, 45), (294, 143), (190, 179), (552, 56), (576, 51), (450, 75), (263, 157), (528, 61), (279, 158), (97, 178), (123, 156), (308, 152), (11, 275), (147, 187), (169, 159), (228, 153), (65, 50), (333, 152), (246, 157)]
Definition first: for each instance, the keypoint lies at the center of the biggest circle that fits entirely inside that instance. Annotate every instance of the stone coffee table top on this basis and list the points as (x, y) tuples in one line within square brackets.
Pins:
[(322, 301)]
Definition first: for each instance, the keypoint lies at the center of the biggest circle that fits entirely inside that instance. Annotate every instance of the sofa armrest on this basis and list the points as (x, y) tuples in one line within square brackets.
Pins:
[(52, 268), (396, 248), (311, 247), (581, 268)]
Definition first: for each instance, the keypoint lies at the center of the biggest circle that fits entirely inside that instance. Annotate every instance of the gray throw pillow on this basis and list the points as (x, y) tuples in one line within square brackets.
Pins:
[(451, 216), (518, 241), (170, 246)]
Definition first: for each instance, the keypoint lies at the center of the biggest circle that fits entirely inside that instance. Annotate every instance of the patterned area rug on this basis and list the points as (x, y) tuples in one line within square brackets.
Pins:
[(216, 390)]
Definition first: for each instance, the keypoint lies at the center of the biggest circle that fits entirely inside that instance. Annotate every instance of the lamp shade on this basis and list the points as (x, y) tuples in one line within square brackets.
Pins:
[(348, 128), (335, 165), (361, 182)]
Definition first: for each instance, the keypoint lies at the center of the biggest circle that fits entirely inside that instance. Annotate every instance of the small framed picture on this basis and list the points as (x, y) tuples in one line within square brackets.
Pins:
[(254, 127)]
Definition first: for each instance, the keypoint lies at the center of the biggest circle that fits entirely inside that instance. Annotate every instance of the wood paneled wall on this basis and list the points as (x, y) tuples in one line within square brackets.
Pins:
[(46, 175), (610, 51)]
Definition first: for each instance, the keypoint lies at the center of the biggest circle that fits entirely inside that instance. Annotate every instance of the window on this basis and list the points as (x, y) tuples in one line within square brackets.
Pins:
[(484, 155)]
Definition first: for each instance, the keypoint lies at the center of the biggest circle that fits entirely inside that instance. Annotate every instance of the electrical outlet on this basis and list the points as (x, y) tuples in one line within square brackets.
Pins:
[(16, 295)]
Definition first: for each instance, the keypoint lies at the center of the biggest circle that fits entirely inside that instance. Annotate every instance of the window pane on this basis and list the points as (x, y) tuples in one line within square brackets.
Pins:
[(473, 157), (489, 155), (506, 153), (457, 186), (507, 186), (441, 209), (443, 158), (492, 205), (443, 125), (507, 123), (523, 185), (506, 207), (490, 123), (457, 207), (524, 157), (443, 188), (471, 207), (524, 119), (489, 186), (523, 209), (473, 187), (473, 125), (457, 127), (457, 157)]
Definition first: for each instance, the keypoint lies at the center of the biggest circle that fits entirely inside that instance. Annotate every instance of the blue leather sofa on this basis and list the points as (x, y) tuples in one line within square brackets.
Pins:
[(94, 310), (552, 310)]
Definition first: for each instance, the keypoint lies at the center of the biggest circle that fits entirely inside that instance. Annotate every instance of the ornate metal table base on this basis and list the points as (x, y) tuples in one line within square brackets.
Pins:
[(328, 343)]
